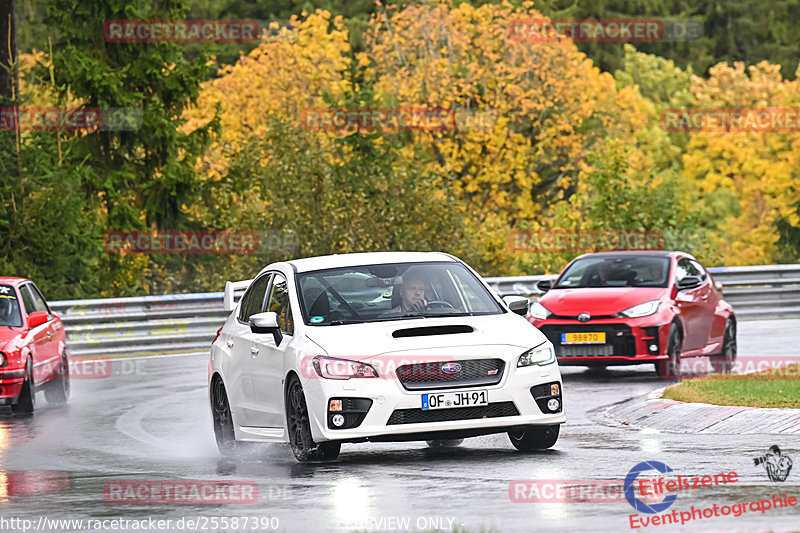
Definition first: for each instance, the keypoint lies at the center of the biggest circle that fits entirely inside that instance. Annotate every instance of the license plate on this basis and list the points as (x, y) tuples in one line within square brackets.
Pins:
[(588, 337), (450, 400)]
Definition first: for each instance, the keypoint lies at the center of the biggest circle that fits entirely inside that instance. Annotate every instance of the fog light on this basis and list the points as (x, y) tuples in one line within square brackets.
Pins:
[(335, 405), (554, 389), (553, 404), (653, 347), (338, 420)]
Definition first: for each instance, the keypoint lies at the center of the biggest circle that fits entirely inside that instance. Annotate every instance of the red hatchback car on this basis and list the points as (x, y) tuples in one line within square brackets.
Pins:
[(33, 353), (627, 308)]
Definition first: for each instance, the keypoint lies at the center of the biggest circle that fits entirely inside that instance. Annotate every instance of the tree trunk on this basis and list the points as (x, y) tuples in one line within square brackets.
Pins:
[(9, 85)]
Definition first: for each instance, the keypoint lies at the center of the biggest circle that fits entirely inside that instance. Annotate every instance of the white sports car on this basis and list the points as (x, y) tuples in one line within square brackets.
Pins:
[(379, 347)]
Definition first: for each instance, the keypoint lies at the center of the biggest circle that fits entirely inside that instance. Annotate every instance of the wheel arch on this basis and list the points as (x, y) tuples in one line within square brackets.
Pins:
[(290, 375), (215, 376), (679, 322)]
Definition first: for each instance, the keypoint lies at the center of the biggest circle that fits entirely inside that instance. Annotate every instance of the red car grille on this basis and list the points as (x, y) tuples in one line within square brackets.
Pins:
[(619, 340)]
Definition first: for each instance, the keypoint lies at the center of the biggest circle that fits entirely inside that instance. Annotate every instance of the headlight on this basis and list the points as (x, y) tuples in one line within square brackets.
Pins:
[(645, 309), (539, 311), (334, 368), (3, 359), (541, 355)]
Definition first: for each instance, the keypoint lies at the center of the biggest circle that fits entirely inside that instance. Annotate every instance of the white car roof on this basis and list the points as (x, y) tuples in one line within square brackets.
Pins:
[(309, 264)]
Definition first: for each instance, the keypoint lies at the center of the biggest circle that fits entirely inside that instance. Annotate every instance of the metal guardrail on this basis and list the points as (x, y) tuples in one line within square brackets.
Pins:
[(187, 322)]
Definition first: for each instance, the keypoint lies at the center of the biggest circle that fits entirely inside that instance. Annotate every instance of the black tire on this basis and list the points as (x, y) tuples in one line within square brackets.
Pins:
[(723, 363), (299, 428), (534, 438), (671, 368), (26, 401), (57, 390), (222, 418), (444, 443)]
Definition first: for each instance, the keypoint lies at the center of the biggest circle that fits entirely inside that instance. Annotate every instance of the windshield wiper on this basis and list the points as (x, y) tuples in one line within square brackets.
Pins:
[(340, 322)]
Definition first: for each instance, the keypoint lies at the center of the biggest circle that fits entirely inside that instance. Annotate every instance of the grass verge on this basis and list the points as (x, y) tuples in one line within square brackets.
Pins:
[(777, 387)]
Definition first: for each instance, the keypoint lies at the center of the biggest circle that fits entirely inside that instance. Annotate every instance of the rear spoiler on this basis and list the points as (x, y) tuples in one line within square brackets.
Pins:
[(230, 288)]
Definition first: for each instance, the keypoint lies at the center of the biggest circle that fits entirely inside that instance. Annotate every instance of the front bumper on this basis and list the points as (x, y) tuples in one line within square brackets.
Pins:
[(394, 413), (628, 342), (11, 380)]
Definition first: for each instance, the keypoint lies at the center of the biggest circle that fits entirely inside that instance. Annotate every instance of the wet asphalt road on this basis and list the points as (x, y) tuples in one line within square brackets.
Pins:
[(149, 420)]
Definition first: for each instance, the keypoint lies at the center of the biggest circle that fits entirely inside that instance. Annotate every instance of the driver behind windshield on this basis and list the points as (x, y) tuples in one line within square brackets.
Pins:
[(9, 311), (655, 272), (600, 276), (412, 293)]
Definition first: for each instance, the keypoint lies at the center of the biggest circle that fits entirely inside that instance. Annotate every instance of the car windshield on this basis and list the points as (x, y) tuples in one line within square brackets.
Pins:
[(9, 307), (393, 291), (616, 271)]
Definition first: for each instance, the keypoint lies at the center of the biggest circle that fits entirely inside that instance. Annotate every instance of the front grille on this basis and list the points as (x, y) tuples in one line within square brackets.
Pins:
[(418, 416), (619, 340), (471, 373), (586, 350)]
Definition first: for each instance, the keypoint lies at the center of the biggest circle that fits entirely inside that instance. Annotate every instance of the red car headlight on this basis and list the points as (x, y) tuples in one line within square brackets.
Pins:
[(539, 311), (645, 309)]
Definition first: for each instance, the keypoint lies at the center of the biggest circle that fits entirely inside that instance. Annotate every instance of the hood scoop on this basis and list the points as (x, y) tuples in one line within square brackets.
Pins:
[(431, 330)]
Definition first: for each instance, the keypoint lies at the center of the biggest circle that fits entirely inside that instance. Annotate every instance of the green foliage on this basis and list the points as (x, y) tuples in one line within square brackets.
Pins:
[(65, 197), (349, 197)]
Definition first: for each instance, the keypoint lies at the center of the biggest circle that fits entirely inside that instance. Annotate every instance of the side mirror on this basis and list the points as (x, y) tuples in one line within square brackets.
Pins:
[(266, 323), (544, 285), (689, 282), (37, 318), (517, 304)]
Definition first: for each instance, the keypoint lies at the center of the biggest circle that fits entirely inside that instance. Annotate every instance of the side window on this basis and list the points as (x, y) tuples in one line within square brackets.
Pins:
[(27, 300), (682, 269), (253, 299), (700, 270), (38, 300), (279, 303)]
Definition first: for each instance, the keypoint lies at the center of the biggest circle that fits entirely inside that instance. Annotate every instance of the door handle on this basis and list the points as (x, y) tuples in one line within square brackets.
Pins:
[(49, 335), (253, 351), (229, 343)]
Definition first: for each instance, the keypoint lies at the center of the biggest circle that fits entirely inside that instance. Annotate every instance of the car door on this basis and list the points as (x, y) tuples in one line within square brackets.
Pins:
[(690, 303), (39, 338), (54, 330), (708, 299), (238, 381), (267, 357)]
